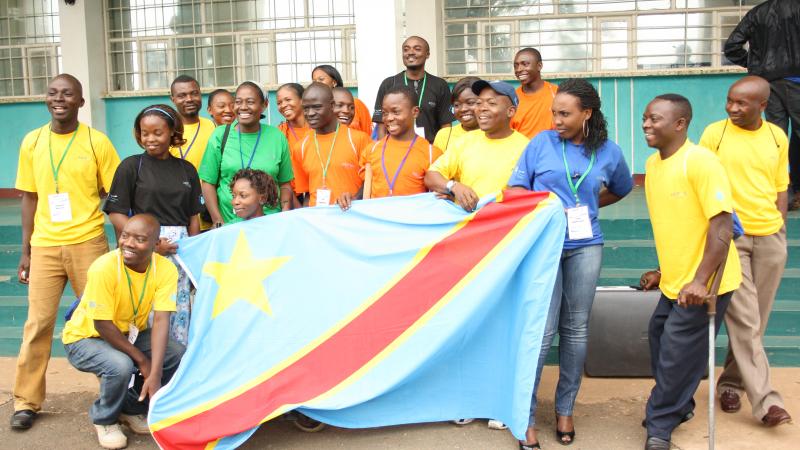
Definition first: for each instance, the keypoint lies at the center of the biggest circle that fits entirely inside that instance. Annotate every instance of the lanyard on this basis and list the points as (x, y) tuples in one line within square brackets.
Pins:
[(291, 128), (53, 166), (189, 148), (255, 147), (327, 164), (402, 163), (574, 186), (141, 294), (422, 92)]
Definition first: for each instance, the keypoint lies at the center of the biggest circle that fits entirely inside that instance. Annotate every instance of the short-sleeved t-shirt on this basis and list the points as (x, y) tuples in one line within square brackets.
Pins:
[(196, 135), (534, 113), (434, 106), (757, 163), (541, 168), (481, 163), (683, 193), (169, 189), (88, 168), (449, 135), (362, 121), (294, 135), (411, 178), (342, 175), (272, 156), (107, 296)]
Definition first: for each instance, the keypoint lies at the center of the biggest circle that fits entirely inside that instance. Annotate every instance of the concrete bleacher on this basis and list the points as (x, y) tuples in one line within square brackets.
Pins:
[(628, 252)]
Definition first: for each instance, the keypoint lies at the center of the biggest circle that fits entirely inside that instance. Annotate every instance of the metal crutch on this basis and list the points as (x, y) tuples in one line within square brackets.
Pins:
[(712, 312)]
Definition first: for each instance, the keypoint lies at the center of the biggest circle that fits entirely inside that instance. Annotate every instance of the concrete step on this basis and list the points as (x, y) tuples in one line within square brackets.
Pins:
[(642, 253), (11, 338)]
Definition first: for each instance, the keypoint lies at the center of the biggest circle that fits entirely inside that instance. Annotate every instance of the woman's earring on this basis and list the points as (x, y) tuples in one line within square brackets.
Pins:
[(585, 129)]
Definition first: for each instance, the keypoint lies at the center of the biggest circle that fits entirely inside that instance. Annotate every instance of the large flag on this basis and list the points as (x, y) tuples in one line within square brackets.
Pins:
[(400, 310)]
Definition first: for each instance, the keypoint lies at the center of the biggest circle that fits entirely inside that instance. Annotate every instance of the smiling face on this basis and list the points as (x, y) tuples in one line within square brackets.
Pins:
[(221, 108), (527, 68), (568, 116), (247, 203), (155, 136), (320, 76), (289, 104), (138, 240), (415, 53), (248, 106), (744, 106), (494, 111), (344, 106), (63, 99), (318, 107), (187, 99), (662, 125), (464, 109), (398, 114)]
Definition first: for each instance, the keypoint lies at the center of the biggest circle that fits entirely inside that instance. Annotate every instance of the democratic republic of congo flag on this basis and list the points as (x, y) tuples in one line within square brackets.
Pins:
[(400, 310)]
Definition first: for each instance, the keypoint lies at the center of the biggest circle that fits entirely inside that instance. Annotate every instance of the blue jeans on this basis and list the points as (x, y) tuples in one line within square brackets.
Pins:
[(115, 368), (570, 305)]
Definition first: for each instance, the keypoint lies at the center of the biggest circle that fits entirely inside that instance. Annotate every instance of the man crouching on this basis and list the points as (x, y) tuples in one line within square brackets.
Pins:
[(108, 335)]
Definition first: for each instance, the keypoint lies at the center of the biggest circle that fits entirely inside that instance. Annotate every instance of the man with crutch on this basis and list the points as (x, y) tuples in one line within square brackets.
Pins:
[(689, 200)]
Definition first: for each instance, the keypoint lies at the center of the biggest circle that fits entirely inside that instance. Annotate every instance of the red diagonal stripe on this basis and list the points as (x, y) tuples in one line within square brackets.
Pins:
[(365, 336)]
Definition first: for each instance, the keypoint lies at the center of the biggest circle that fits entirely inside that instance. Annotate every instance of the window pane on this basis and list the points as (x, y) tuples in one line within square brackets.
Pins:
[(614, 45)]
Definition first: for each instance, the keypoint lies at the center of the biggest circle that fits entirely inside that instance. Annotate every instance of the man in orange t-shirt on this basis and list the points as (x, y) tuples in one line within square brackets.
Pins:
[(535, 95), (396, 165), (328, 161)]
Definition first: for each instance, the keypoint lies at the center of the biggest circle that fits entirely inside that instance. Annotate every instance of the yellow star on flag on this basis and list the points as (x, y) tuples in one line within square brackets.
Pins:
[(242, 278)]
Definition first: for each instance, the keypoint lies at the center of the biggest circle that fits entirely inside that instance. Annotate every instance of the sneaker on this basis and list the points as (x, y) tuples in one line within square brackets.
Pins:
[(111, 436), (136, 422), (497, 425), (461, 422)]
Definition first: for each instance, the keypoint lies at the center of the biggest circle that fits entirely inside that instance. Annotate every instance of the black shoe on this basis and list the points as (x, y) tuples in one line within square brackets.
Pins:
[(654, 443), (22, 420)]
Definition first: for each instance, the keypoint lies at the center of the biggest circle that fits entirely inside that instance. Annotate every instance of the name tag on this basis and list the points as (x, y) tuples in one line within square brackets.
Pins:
[(323, 197), (579, 225), (60, 209), (133, 333)]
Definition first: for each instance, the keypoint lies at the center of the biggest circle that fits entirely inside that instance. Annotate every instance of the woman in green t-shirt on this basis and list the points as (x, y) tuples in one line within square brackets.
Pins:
[(246, 143)]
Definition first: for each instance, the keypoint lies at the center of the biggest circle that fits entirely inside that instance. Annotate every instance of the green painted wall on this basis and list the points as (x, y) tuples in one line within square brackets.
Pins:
[(624, 100)]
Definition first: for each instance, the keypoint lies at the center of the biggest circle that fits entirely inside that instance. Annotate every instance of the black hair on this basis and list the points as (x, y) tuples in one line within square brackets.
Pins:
[(589, 99), (296, 87), (681, 103), (261, 182), (342, 89), (461, 86), (403, 90), (71, 79), (169, 115), (256, 87), (215, 93), (535, 52), (331, 72), (427, 45), (183, 79)]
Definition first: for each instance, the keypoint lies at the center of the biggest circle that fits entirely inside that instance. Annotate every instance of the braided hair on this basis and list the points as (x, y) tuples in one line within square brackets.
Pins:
[(261, 182), (589, 99)]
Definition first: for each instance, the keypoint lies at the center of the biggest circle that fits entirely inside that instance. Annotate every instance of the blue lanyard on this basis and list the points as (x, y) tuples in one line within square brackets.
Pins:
[(402, 163), (252, 155), (189, 148)]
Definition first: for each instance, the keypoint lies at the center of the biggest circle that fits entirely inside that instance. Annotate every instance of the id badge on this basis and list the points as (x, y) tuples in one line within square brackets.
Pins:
[(60, 209), (579, 225), (133, 333), (323, 197)]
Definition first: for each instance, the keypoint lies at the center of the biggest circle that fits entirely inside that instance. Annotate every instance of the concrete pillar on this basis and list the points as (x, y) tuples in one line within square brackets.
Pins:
[(83, 54)]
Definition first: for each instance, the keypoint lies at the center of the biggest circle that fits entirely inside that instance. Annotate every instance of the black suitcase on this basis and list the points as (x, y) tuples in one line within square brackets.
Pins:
[(618, 344)]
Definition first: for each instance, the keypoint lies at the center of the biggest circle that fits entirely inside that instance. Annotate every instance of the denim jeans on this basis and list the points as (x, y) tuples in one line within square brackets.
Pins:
[(570, 305), (115, 368)]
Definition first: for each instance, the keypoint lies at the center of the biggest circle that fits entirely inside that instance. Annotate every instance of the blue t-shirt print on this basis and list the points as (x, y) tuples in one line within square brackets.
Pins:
[(541, 168)]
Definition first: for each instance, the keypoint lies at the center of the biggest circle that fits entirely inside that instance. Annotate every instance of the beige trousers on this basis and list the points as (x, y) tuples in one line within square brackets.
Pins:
[(746, 365), (51, 268)]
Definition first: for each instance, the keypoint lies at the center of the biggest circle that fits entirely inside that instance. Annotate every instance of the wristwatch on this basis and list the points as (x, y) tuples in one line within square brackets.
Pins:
[(449, 186)]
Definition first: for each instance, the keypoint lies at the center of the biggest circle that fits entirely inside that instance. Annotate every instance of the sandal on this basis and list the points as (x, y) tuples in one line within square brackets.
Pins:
[(534, 446), (565, 434)]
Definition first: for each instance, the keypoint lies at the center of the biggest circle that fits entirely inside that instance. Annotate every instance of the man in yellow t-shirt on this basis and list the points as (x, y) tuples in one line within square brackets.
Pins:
[(107, 334), (755, 153), (481, 162), (64, 169), (689, 200)]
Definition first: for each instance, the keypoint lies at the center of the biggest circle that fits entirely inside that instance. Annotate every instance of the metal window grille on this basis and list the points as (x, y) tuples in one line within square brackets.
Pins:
[(481, 36), (30, 53), (224, 42)]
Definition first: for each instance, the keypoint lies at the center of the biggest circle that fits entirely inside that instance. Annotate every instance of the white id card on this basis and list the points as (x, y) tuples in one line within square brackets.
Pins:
[(60, 209), (133, 332), (579, 224), (323, 197)]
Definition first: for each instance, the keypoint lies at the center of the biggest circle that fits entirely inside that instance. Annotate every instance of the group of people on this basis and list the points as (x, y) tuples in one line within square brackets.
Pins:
[(130, 325)]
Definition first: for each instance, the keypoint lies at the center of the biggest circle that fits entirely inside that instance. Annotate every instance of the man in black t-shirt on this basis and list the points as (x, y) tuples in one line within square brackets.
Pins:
[(433, 93)]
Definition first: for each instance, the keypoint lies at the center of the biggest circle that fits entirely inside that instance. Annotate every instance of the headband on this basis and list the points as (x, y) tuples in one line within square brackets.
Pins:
[(165, 113)]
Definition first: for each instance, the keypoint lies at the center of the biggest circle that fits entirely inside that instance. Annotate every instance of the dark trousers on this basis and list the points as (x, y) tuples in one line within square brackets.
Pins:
[(784, 108), (679, 357)]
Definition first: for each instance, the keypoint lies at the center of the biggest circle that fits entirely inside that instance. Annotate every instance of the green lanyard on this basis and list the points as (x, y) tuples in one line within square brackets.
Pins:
[(422, 92), (574, 186), (53, 166), (327, 164), (141, 294)]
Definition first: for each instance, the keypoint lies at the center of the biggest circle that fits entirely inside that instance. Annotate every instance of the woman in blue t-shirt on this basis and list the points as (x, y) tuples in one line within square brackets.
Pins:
[(587, 171)]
